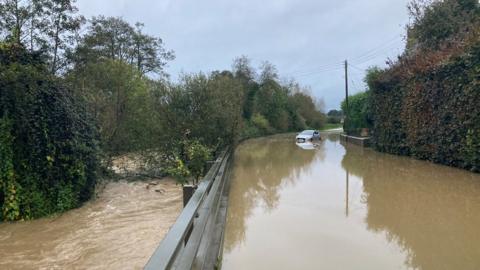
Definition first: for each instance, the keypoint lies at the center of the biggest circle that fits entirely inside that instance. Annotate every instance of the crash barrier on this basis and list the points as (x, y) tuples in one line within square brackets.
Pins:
[(195, 240)]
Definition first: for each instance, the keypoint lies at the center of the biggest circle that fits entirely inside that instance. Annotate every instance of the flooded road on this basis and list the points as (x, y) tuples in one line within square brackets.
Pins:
[(344, 207), (119, 230)]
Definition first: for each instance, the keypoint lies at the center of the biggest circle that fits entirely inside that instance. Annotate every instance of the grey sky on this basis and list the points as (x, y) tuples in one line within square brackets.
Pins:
[(303, 39)]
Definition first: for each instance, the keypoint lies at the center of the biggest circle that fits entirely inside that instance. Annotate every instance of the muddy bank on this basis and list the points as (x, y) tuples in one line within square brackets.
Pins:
[(118, 230)]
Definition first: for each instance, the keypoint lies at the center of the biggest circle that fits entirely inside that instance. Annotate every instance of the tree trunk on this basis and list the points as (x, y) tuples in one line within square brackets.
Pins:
[(57, 41)]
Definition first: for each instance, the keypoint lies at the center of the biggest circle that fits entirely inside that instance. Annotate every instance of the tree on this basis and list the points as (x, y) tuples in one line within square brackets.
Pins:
[(61, 24), (118, 97), (47, 25), (246, 74), (115, 39), (334, 116), (268, 72), (14, 18)]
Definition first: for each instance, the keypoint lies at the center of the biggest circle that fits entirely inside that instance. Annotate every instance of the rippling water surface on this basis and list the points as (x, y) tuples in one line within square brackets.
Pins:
[(119, 230), (332, 206)]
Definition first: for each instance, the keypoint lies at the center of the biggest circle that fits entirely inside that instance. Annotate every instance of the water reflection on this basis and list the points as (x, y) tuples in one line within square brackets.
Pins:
[(345, 207), (267, 164), (309, 145), (430, 211)]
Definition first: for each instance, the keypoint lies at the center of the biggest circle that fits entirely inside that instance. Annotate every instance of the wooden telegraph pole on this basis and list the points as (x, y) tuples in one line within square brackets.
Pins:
[(346, 95)]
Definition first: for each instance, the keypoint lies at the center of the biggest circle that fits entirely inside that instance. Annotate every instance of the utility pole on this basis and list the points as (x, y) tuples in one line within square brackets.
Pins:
[(346, 195), (346, 95)]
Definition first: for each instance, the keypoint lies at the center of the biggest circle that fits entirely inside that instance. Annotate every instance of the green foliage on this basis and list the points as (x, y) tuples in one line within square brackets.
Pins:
[(197, 155), (357, 113), (8, 187), (305, 113), (64, 96), (471, 149), (261, 123), (115, 39), (47, 25), (177, 169), (434, 22), (433, 114), (334, 117), (53, 156), (426, 104), (189, 162), (118, 97)]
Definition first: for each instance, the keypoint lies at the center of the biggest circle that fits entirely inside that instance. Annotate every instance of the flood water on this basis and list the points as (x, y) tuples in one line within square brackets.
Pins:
[(345, 207), (119, 230)]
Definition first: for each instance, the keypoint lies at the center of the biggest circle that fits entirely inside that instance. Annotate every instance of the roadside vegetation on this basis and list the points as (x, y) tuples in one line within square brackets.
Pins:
[(75, 93), (425, 104)]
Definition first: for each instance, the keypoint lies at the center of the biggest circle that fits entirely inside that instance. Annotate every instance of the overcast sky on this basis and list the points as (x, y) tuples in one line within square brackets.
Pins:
[(304, 39)]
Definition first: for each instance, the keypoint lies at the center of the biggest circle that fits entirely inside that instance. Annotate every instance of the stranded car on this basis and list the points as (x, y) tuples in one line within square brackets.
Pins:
[(308, 135)]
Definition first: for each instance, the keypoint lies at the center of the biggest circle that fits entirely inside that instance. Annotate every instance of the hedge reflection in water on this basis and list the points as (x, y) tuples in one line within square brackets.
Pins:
[(424, 216), (429, 210)]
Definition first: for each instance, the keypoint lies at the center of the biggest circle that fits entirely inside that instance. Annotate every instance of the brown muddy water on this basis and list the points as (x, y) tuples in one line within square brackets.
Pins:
[(344, 207), (119, 230)]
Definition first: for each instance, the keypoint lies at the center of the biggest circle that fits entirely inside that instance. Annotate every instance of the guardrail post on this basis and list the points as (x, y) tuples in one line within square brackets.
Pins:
[(188, 191)]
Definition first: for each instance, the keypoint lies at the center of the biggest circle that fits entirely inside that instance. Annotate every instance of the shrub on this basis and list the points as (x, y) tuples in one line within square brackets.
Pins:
[(260, 122), (357, 114), (249, 130), (198, 155), (189, 162), (48, 144)]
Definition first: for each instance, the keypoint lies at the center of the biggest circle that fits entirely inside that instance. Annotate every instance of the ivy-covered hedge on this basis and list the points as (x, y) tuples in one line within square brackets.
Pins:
[(48, 147), (432, 113)]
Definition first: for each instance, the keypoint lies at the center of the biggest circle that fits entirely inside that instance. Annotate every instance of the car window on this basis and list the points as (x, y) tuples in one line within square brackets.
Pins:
[(307, 132)]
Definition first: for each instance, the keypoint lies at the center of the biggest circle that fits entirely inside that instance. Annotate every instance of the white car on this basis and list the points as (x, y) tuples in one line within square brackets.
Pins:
[(308, 135)]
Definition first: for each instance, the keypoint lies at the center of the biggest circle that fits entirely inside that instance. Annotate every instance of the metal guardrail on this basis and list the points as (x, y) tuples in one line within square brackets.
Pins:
[(195, 240)]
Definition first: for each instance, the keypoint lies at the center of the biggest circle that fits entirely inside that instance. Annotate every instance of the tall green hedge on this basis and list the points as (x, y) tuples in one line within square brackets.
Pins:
[(357, 114), (48, 146), (432, 114)]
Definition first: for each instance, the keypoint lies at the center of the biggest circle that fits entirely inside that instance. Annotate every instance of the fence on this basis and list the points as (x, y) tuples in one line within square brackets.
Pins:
[(195, 240)]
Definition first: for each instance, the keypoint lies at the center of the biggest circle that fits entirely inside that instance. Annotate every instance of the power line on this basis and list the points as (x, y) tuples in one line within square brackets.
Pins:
[(318, 68), (391, 42), (359, 60), (313, 72), (357, 68)]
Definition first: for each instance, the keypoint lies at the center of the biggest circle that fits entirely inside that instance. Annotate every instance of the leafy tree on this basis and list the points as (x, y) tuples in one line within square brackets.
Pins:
[(334, 116), (47, 25), (245, 73), (61, 24), (304, 108), (15, 16), (115, 39), (271, 101), (118, 97)]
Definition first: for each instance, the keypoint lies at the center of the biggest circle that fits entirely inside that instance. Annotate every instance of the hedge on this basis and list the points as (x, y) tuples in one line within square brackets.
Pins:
[(432, 113), (48, 145)]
